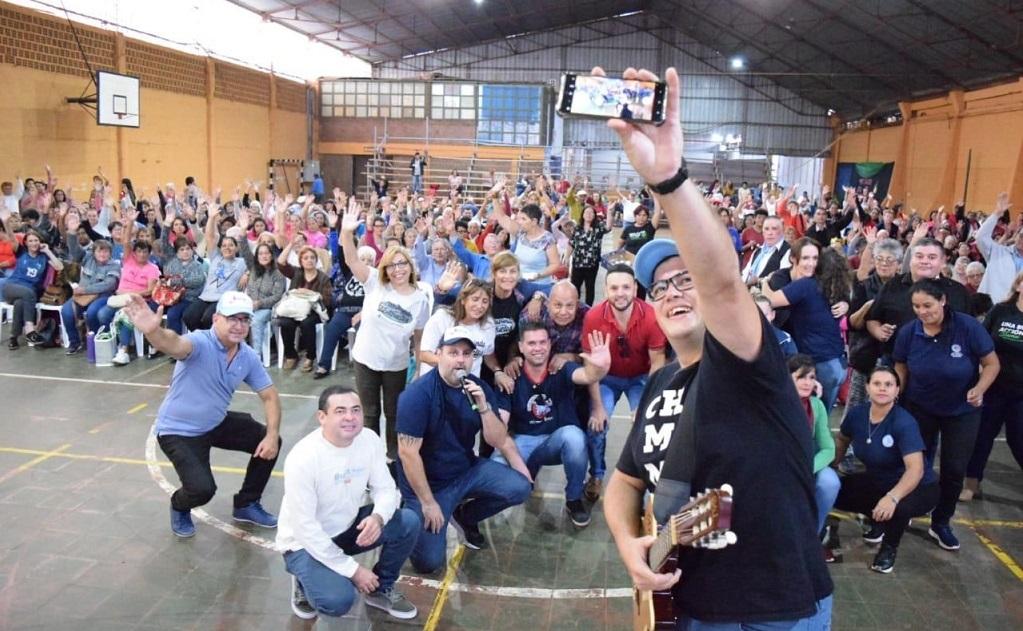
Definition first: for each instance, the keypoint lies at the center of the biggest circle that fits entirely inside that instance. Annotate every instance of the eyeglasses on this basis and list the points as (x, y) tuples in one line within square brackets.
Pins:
[(885, 260), (396, 265), (240, 320), (682, 282), (623, 346)]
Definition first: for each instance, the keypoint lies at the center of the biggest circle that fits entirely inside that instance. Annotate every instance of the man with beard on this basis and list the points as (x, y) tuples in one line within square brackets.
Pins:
[(637, 350), (541, 413), (725, 412)]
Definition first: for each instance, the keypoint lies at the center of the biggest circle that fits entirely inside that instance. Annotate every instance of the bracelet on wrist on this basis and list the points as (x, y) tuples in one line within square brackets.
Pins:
[(894, 499)]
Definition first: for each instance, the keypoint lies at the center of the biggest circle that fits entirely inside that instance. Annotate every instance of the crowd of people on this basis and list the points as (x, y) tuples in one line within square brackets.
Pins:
[(481, 353)]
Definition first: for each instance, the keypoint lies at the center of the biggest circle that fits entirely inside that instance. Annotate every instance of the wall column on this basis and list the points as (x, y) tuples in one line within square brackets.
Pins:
[(211, 86), (121, 65), (831, 161), (948, 185), (899, 173), (272, 112)]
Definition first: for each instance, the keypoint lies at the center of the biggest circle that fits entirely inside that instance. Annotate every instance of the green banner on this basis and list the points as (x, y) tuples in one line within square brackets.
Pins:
[(868, 169)]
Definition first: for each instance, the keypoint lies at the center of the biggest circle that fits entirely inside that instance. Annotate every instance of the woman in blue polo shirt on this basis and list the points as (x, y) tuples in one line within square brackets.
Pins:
[(24, 286), (938, 356), (897, 483)]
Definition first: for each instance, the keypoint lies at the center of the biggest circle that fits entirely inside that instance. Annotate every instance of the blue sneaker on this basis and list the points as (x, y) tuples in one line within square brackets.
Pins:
[(254, 513), (942, 533), (181, 523)]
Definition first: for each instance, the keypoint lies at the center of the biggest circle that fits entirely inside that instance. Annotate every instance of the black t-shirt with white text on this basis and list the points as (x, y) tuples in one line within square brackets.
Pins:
[(750, 431)]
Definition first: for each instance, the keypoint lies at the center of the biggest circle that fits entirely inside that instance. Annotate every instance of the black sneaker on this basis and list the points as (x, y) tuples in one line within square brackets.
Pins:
[(13, 344), (942, 533), (154, 354), (577, 513), (471, 535), (875, 534), (299, 603), (884, 560), (33, 338), (74, 348)]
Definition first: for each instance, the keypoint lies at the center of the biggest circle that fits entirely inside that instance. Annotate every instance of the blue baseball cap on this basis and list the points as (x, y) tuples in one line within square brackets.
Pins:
[(650, 256)]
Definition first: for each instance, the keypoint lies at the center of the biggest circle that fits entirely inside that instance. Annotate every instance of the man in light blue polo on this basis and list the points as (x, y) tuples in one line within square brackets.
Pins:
[(211, 364)]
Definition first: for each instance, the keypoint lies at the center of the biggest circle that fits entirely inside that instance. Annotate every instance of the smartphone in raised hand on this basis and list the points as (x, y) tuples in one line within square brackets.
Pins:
[(587, 96)]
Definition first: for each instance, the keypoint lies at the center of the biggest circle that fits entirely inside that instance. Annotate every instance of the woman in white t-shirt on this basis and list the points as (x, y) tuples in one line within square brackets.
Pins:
[(471, 311), (394, 313)]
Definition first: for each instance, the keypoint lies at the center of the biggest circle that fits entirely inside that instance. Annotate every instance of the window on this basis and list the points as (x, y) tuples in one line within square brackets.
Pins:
[(367, 99), (510, 114), (453, 101)]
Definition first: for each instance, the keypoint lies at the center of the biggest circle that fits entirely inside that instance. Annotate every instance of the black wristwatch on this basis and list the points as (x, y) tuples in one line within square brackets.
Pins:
[(672, 183)]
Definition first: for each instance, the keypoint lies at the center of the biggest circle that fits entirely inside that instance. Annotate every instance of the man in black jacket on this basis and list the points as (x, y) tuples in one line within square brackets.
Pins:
[(769, 257)]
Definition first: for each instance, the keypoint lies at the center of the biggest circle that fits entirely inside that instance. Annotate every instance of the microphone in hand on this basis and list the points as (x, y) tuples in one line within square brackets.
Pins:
[(463, 379)]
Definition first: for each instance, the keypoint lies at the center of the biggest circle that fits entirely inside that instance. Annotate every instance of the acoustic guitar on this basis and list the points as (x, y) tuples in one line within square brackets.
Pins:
[(702, 523)]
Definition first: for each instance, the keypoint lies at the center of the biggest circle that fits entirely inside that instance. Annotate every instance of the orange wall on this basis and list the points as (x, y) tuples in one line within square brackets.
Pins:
[(990, 139), (40, 128)]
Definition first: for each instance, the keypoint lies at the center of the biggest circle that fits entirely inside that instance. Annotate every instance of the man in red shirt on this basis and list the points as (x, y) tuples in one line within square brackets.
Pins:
[(637, 349)]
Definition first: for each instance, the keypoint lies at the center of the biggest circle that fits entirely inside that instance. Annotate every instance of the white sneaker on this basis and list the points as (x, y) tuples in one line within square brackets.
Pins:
[(121, 358)]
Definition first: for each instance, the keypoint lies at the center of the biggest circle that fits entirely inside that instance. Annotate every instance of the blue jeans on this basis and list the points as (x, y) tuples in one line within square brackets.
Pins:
[(69, 314), (826, 487), (820, 621), (335, 330), (490, 487), (831, 374), (174, 314), (566, 446), (417, 183), (126, 334), (260, 320), (333, 594), (611, 389)]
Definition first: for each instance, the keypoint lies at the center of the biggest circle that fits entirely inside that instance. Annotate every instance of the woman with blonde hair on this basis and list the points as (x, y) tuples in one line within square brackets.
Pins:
[(394, 313)]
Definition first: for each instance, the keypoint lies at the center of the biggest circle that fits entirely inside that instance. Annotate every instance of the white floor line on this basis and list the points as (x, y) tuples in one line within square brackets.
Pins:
[(101, 382), (156, 473)]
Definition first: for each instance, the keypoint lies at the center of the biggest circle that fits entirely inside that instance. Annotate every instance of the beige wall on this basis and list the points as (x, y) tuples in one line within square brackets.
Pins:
[(936, 141)]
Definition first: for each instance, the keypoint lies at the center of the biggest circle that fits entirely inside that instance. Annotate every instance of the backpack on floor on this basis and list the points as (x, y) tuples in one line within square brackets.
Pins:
[(48, 330)]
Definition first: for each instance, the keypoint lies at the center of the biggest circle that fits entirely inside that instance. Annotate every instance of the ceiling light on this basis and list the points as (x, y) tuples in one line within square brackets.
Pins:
[(717, 138), (738, 63)]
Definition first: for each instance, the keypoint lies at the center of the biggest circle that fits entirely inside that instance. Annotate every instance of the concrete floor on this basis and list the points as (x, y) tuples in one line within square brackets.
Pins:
[(86, 539)]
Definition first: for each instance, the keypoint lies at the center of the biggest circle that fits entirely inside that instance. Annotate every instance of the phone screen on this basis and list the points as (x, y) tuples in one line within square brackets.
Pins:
[(605, 97)]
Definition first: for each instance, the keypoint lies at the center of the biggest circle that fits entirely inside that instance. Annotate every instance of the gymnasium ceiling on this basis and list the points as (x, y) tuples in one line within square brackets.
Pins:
[(857, 57)]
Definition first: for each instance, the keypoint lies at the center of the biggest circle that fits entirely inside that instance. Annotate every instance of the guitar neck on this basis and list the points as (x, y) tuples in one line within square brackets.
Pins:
[(662, 547)]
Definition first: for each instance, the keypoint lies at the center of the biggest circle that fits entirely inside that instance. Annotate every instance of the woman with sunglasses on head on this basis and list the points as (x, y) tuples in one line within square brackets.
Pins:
[(898, 482), (947, 361), (227, 272), (470, 311), (394, 313)]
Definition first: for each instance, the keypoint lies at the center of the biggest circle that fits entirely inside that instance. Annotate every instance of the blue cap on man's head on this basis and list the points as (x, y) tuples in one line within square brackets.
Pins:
[(650, 256)]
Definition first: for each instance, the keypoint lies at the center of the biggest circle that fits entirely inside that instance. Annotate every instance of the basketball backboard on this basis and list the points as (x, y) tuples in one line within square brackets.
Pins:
[(118, 99)]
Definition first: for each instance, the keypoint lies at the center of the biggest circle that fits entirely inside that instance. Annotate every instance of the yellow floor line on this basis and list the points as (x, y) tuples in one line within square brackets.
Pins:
[(1001, 555), (442, 592), (138, 407), (43, 456), (112, 459), (993, 523)]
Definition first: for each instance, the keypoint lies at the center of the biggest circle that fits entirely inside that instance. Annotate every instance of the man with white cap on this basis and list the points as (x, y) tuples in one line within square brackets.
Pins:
[(211, 364), (440, 476), (722, 413)]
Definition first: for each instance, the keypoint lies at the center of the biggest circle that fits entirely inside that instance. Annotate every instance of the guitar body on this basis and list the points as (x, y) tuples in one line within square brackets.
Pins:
[(655, 611)]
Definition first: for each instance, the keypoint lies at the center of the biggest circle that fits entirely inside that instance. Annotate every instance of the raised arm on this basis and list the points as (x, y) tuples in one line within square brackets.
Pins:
[(349, 222)]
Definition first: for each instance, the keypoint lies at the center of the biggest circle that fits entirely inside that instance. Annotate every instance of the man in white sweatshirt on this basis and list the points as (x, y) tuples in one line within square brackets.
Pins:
[(323, 521)]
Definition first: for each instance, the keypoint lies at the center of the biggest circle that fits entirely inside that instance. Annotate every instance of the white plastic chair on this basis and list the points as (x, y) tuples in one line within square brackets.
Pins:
[(6, 315), (280, 348)]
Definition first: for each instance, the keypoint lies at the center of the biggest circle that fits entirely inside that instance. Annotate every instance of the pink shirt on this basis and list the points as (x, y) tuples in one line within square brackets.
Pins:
[(135, 277)]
